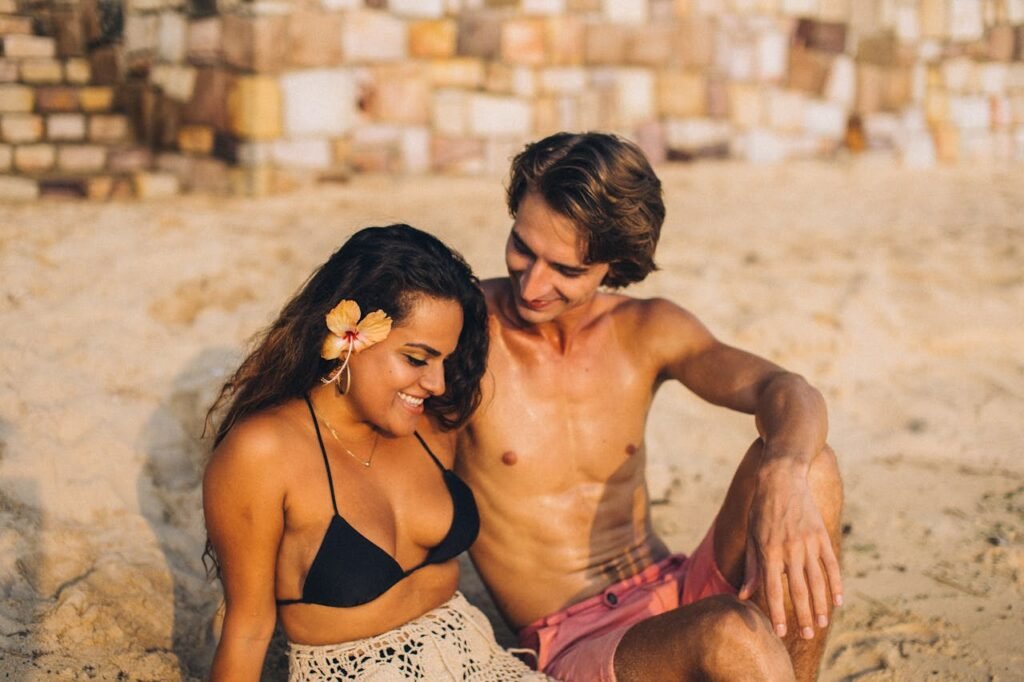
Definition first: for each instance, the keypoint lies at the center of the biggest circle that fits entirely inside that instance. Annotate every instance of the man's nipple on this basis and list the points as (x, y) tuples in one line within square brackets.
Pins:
[(509, 458), (631, 449)]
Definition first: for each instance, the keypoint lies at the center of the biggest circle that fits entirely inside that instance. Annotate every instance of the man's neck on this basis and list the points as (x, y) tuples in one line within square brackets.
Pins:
[(561, 332)]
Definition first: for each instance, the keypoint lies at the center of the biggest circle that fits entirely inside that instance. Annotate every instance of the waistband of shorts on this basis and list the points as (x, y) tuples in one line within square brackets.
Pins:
[(609, 595)]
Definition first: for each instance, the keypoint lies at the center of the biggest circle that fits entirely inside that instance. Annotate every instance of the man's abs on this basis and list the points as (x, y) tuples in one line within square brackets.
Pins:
[(555, 527)]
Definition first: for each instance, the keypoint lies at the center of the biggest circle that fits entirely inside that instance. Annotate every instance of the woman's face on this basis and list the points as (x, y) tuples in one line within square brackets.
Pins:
[(392, 379)]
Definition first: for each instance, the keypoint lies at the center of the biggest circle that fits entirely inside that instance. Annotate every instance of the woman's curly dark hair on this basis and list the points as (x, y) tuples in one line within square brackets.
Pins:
[(380, 268)]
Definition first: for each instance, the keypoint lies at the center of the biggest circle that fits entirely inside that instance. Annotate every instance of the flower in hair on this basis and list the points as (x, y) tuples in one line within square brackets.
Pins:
[(348, 334)]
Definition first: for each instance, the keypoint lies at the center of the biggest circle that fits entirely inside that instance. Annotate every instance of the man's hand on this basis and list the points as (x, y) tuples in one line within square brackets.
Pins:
[(787, 542)]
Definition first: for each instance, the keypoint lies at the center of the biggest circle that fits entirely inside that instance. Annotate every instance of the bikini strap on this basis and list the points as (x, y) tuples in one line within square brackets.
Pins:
[(429, 451), (323, 451)]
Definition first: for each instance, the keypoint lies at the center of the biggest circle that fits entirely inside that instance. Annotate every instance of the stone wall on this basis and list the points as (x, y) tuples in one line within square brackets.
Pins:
[(258, 96)]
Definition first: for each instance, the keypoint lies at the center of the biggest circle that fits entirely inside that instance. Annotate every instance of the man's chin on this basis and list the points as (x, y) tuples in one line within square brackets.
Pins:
[(534, 316)]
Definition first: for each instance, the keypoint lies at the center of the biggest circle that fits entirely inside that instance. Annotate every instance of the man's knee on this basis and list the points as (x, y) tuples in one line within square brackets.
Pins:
[(827, 487), (738, 643)]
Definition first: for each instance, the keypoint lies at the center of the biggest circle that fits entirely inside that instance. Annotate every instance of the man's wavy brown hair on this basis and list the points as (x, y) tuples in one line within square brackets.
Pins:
[(606, 186)]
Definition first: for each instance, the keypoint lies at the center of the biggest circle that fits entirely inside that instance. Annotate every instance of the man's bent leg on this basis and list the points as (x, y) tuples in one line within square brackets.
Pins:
[(718, 638), (731, 542)]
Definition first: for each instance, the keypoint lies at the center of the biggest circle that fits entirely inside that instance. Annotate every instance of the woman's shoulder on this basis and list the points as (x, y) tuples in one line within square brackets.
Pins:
[(260, 440)]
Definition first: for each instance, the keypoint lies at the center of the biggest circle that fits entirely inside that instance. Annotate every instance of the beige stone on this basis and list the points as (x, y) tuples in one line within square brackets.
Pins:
[(881, 49), (1001, 40), (21, 128), (746, 105), (65, 127), (552, 114), (479, 34), (27, 47), (155, 185), (651, 45), (696, 41), (129, 159), (203, 40), (566, 40), (16, 99), (457, 154), (10, 25), (18, 189), (465, 72), (433, 38), (947, 142), (254, 107), (499, 116), (606, 44), (369, 36), (523, 42), (870, 86), (808, 70), (176, 81), (108, 128), (34, 158), (77, 71), (41, 71), (449, 109), (81, 158), (897, 88), (399, 94), (933, 18), (8, 71), (99, 187), (682, 93), (315, 39), (511, 80)]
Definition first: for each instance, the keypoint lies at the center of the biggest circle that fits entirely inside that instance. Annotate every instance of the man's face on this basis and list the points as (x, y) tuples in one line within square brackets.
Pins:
[(544, 256)]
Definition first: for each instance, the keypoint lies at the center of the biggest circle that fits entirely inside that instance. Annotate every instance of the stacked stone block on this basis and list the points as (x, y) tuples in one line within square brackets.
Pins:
[(269, 93), (60, 133)]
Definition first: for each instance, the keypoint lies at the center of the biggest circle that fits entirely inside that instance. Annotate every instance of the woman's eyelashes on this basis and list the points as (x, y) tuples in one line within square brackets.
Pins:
[(415, 361)]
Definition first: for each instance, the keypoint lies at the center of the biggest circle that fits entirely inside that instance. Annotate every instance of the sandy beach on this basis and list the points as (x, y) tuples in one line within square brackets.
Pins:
[(899, 293)]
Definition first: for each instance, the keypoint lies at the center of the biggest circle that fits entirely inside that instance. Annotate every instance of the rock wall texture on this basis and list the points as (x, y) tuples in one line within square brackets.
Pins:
[(253, 97)]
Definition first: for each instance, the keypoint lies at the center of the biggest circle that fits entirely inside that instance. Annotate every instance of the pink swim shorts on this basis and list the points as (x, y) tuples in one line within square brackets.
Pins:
[(577, 644)]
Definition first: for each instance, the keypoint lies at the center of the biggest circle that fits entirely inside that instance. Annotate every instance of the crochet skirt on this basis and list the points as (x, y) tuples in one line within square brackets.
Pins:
[(454, 642)]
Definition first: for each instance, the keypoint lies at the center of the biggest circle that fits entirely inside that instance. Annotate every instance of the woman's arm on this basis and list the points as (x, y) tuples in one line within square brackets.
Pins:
[(243, 499)]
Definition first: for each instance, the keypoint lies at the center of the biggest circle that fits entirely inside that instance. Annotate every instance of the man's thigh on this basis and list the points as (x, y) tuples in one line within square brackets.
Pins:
[(718, 637)]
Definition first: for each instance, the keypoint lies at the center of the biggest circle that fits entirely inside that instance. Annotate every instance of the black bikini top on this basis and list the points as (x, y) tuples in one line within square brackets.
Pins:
[(350, 570)]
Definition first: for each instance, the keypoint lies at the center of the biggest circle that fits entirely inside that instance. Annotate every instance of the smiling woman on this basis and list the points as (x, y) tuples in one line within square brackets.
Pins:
[(329, 499)]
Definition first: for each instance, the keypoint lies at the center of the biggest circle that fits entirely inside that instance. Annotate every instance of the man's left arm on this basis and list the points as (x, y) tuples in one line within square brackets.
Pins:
[(787, 538)]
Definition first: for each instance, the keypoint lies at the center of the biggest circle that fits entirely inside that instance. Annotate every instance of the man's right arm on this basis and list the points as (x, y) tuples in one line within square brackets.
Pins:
[(787, 538)]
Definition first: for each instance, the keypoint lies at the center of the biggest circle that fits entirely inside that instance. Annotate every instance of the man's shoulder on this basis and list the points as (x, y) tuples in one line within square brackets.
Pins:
[(653, 312)]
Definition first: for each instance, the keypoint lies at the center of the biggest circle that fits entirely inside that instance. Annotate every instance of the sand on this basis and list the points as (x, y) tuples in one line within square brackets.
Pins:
[(899, 293)]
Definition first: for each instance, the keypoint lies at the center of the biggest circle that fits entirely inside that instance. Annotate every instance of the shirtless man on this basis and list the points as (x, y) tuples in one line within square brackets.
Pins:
[(556, 452)]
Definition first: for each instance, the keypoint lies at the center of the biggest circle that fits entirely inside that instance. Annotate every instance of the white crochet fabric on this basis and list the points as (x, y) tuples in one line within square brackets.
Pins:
[(453, 642)]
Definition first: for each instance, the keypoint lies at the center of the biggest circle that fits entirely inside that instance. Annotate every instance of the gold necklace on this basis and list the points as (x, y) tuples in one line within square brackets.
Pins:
[(365, 462)]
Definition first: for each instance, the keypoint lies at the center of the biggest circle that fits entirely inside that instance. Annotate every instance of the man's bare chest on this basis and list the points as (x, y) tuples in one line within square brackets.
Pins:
[(564, 418)]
